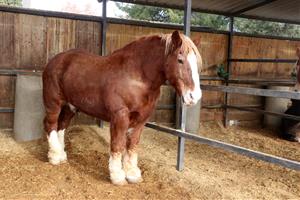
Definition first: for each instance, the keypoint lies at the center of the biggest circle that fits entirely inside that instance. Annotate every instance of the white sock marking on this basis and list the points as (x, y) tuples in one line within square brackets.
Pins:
[(117, 174), (56, 153), (54, 143), (132, 171), (61, 138)]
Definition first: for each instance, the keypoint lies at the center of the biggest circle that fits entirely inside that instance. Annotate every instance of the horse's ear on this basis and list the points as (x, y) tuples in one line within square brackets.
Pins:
[(298, 52), (176, 39), (197, 41)]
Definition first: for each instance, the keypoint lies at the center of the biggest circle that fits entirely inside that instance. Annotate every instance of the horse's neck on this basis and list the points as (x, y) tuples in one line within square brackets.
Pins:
[(149, 54), (153, 62)]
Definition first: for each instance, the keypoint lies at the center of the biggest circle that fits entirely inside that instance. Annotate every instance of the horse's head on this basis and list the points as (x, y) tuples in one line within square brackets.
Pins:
[(182, 67)]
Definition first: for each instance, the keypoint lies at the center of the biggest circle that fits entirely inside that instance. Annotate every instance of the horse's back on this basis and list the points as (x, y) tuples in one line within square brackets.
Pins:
[(56, 68), (63, 60)]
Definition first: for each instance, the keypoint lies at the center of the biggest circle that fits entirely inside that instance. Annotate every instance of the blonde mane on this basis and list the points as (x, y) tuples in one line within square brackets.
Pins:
[(187, 46)]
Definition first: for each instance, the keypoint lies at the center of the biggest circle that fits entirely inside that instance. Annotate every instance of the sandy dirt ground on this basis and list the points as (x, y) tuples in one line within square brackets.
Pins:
[(209, 173)]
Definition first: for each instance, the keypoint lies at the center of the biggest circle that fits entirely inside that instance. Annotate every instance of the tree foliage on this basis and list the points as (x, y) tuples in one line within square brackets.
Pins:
[(267, 28), (11, 2), (150, 13)]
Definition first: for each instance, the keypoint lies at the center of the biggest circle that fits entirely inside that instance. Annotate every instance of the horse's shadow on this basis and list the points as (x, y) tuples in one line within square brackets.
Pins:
[(93, 162), (84, 160), (37, 148)]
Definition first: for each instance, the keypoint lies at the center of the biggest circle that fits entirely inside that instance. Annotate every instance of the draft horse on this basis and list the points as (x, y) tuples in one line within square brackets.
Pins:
[(121, 88)]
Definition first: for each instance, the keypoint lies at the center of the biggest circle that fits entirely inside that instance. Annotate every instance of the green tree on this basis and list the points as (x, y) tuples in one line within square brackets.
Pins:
[(214, 21), (267, 28), (11, 2), (151, 13)]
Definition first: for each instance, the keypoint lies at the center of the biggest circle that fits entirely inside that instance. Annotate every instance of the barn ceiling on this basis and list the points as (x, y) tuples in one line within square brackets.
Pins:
[(272, 10)]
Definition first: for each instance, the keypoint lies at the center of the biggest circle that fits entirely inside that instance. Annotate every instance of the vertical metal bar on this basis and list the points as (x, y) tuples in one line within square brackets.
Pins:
[(104, 27), (229, 56), (181, 109), (187, 17), (103, 36)]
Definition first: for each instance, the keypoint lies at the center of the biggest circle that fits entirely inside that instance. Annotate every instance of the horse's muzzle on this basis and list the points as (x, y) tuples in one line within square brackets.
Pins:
[(190, 98)]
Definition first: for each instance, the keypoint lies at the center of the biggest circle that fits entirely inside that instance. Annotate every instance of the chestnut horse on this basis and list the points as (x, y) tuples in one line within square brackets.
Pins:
[(121, 88)]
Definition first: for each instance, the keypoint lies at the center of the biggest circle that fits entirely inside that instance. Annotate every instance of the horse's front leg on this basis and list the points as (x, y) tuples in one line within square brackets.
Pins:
[(118, 128), (130, 161)]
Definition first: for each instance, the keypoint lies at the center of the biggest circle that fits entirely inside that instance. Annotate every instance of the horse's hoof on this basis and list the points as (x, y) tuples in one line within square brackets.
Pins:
[(119, 183), (133, 179), (63, 157), (134, 175), (57, 158), (118, 177)]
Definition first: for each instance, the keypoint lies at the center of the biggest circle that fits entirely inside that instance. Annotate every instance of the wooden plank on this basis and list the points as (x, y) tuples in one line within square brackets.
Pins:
[(212, 97), (118, 35), (7, 25), (88, 36), (258, 48), (210, 56), (244, 99), (7, 91), (253, 91), (6, 120), (30, 41), (60, 36), (263, 60), (229, 147)]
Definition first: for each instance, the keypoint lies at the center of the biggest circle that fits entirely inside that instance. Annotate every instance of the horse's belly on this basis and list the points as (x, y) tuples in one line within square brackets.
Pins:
[(90, 103)]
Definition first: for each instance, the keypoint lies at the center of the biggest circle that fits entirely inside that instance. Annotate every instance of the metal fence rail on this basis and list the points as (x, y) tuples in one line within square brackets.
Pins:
[(228, 147), (253, 91), (264, 112)]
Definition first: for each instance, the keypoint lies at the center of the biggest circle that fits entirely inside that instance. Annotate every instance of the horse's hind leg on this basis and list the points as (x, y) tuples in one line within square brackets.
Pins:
[(65, 116), (56, 153)]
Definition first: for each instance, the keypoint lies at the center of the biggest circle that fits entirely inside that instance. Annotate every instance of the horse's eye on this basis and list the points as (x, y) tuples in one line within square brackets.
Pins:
[(180, 61)]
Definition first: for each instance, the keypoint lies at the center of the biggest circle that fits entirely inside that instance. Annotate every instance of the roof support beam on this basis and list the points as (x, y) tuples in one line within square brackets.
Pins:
[(181, 110), (238, 12)]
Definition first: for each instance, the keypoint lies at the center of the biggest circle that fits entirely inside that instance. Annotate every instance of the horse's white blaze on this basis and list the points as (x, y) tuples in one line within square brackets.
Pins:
[(132, 171), (193, 96), (56, 153), (117, 174)]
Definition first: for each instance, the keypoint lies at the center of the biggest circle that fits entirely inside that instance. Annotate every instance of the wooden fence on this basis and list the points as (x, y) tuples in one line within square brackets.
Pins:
[(28, 41)]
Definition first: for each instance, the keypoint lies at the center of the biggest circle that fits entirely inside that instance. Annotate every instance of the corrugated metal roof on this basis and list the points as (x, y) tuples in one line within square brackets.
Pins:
[(280, 9), (273, 10)]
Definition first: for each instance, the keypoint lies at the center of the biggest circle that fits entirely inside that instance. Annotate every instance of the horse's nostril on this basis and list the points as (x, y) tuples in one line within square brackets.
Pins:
[(191, 95)]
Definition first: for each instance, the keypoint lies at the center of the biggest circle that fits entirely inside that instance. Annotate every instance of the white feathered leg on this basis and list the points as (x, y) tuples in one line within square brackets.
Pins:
[(117, 174), (56, 153), (132, 171)]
